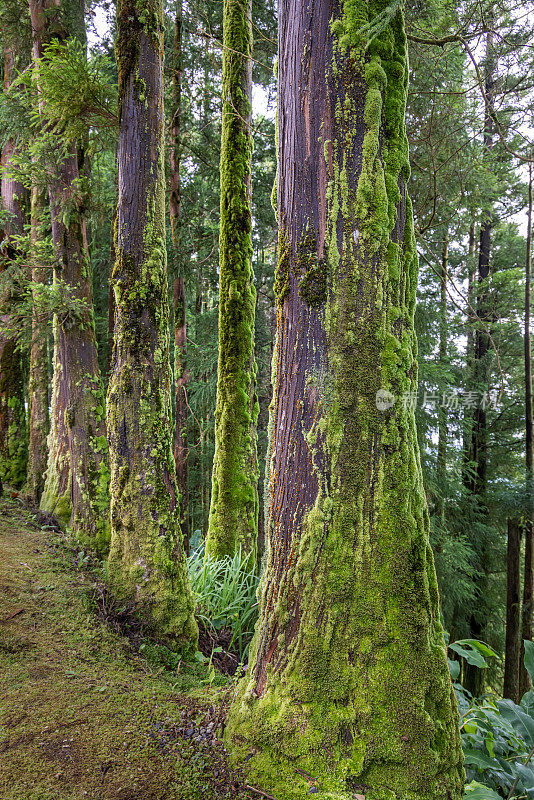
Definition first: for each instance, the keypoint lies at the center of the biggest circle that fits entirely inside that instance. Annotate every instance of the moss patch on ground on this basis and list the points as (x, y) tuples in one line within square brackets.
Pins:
[(82, 716)]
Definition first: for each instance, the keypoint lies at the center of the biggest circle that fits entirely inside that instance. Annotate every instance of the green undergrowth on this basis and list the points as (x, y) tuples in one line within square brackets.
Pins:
[(85, 712), (225, 592)]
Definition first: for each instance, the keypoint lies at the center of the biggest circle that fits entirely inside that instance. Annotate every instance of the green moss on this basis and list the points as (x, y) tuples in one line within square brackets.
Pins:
[(233, 519), (347, 681), (311, 271)]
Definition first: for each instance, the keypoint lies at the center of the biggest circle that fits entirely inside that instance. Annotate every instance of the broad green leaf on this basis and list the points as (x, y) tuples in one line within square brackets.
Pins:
[(522, 723), (472, 656), (527, 702), (529, 658), (454, 669), (477, 758), (477, 791)]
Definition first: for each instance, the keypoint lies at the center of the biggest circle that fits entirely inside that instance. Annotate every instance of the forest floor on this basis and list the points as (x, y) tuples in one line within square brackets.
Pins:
[(83, 715)]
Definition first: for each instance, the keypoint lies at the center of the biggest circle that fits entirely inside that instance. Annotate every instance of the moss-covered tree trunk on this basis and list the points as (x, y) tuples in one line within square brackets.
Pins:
[(347, 687), (181, 450), (13, 429), (38, 378), (76, 486), (233, 520), (146, 559)]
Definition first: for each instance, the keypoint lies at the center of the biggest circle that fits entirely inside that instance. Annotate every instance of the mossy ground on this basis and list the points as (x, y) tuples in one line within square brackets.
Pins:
[(82, 715)]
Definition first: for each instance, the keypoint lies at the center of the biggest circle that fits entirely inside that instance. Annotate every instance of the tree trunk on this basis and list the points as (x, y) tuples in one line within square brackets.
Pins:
[(13, 428), (38, 381), (233, 520), (513, 588), (528, 577), (441, 464), (477, 477), (181, 377), (76, 486), (146, 559), (347, 678)]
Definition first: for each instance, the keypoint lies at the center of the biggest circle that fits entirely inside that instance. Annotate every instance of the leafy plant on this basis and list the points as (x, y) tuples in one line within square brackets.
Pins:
[(497, 739), (225, 592)]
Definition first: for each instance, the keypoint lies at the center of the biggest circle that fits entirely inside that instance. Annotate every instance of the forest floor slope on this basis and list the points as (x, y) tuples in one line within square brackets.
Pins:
[(82, 716)]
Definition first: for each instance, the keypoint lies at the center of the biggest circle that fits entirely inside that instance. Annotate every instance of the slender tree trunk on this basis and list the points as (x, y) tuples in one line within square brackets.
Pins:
[(181, 377), (477, 477), (38, 381), (76, 486), (111, 291), (513, 588), (233, 521), (528, 577), (347, 679), (146, 559), (13, 428), (469, 356), (441, 466)]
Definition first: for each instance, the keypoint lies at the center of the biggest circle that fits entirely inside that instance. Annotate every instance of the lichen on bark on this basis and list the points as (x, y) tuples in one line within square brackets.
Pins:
[(347, 687), (146, 561), (233, 521)]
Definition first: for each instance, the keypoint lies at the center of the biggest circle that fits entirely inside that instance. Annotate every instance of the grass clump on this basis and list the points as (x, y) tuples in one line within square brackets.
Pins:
[(225, 593)]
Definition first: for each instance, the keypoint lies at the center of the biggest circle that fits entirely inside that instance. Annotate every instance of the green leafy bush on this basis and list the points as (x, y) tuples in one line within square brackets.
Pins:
[(497, 738)]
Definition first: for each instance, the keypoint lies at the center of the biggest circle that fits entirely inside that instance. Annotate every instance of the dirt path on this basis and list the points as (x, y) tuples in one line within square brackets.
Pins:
[(81, 717)]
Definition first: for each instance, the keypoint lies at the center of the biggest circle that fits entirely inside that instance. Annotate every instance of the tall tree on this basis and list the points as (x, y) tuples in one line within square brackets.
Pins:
[(180, 328), (77, 474), (513, 604), (528, 577), (38, 416), (146, 559), (13, 431), (347, 678), (233, 521), (478, 453)]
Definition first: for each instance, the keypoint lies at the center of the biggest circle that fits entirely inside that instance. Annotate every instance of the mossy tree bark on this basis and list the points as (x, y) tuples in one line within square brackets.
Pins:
[(38, 378), (13, 428), (76, 486), (347, 687), (146, 559), (181, 450), (233, 520)]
